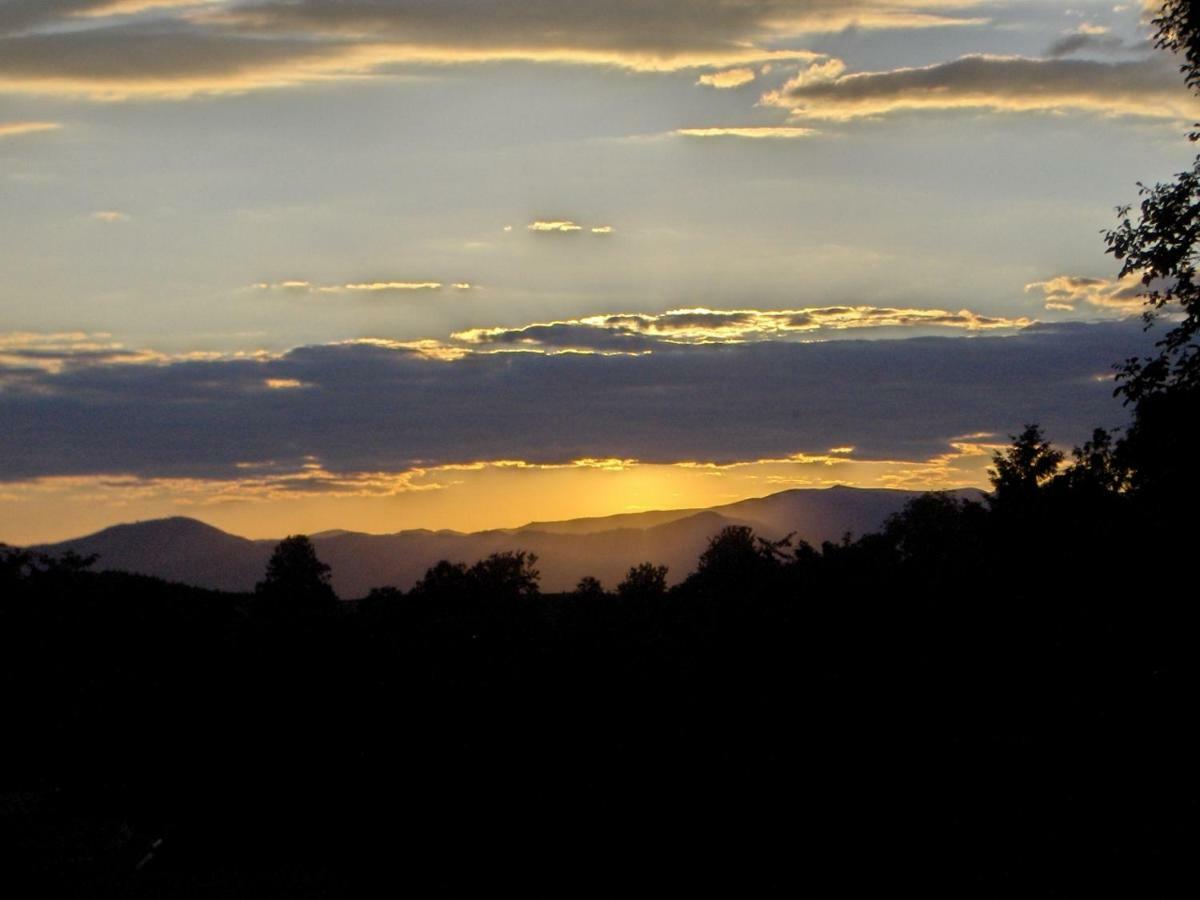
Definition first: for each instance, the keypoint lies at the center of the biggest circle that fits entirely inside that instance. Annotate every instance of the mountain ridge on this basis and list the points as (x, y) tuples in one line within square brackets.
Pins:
[(191, 551)]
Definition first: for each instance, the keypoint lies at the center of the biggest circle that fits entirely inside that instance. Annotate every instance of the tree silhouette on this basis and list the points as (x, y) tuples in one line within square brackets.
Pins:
[(1028, 463), (932, 531), (589, 588), (444, 580), (509, 576), (1159, 245), (643, 581), (1159, 451), (736, 558), (1177, 28), (296, 580), (1098, 466)]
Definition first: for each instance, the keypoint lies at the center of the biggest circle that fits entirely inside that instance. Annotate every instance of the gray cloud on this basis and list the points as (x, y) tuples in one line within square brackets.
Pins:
[(1148, 87), (178, 49), (373, 407), (115, 61), (17, 15), (1084, 42), (665, 26)]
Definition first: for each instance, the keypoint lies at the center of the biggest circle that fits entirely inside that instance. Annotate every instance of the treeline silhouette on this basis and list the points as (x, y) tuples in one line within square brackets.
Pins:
[(982, 698)]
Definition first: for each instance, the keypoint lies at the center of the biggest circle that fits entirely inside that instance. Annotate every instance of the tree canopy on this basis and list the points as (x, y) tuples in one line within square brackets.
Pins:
[(1158, 244), (295, 579)]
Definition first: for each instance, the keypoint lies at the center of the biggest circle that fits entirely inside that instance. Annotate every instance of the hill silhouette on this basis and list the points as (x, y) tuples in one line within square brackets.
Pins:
[(191, 552)]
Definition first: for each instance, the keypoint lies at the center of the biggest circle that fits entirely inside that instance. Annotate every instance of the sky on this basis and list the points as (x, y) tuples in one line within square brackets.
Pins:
[(387, 264)]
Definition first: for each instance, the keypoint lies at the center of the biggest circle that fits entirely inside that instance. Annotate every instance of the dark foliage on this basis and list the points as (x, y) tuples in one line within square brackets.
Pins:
[(1159, 245), (982, 700), (1177, 28), (296, 581)]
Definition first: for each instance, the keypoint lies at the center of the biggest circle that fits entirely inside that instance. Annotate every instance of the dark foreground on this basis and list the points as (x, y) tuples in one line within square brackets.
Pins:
[(977, 702)]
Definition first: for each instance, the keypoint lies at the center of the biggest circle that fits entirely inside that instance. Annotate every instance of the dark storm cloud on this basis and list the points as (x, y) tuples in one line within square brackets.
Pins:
[(370, 408)]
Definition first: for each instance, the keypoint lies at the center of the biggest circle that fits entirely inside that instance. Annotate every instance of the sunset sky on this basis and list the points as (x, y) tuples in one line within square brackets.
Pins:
[(384, 264)]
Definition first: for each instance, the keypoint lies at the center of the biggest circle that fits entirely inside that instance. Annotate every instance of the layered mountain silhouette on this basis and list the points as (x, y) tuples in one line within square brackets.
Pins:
[(191, 552)]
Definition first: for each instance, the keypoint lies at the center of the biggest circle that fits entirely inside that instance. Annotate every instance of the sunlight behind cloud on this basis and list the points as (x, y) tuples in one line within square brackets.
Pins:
[(701, 326), (554, 226), (268, 501), (748, 131)]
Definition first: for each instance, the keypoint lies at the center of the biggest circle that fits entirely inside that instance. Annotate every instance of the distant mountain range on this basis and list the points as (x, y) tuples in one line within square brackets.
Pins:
[(191, 552)]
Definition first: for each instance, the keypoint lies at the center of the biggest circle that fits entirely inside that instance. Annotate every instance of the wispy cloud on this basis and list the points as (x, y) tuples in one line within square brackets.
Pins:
[(300, 286), (376, 287), (1066, 292), (748, 131), (111, 216), (728, 78), (554, 226), (99, 9), (12, 129), (101, 49), (1090, 38), (565, 226), (1147, 87), (294, 285), (26, 353)]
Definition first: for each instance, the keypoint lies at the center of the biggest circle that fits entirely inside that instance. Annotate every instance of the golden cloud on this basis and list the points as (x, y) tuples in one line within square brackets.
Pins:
[(705, 326), (387, 286), (427, 348), (556, 226), (54, 352), (103, 9), (728, 78), (1065, 292), (748, 131), (12, 129), (300, 286)]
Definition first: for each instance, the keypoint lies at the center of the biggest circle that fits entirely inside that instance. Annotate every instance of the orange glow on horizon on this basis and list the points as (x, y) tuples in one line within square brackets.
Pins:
[(475, 496)]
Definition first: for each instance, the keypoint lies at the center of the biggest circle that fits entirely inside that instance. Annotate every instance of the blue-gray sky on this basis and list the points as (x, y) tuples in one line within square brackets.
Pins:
[(245, 241)]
